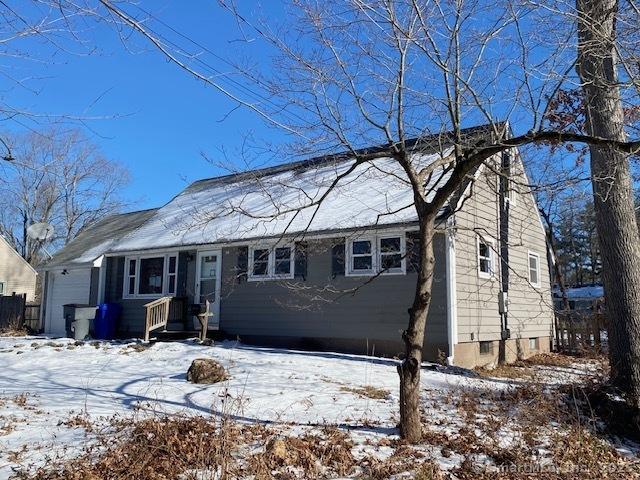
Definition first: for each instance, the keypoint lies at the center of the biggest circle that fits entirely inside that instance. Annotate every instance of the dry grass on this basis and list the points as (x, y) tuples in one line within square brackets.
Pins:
[(319, 456), (528, 369), (13, 331), (515, 371), (532, 431), (566, 361), (368, 391), (486, 432), (136, 347), (154, 449), (79, 421), (163, 448)]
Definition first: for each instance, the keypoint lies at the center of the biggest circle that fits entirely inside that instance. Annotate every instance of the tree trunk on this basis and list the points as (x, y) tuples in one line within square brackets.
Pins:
[(613, 199), (551, 241), (413, 337)]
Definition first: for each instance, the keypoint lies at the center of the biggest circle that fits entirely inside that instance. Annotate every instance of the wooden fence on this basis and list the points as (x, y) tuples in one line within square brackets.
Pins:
[(16, 313), (32, 317), (580, 330), (12, 311)]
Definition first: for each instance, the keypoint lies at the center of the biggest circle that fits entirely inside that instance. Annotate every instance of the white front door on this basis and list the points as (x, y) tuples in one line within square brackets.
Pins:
[(208, 271)]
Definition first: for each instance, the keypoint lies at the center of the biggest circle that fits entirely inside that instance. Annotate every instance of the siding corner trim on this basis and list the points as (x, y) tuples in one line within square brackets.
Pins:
[(452, 314)]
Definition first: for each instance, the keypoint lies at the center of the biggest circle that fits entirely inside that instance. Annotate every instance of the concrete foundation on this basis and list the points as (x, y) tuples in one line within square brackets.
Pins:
[(468, 354)]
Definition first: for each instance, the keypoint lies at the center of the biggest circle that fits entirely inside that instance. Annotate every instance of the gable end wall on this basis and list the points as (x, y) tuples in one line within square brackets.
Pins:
[(530, 308), (15, 273)]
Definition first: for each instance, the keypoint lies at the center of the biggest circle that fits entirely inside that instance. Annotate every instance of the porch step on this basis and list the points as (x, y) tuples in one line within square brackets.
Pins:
[(176, 327)]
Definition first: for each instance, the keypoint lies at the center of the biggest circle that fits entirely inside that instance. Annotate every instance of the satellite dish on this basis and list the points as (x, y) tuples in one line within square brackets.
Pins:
[(40, 231)]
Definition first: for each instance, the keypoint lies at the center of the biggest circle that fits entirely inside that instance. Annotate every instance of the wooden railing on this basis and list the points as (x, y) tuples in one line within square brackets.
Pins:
[(157, 315), (578, 331), (162, 311)]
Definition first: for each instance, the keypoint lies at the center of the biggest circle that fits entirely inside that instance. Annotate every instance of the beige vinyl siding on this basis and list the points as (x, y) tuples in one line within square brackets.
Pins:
[(530, 307), (16, 274), (477, 297)]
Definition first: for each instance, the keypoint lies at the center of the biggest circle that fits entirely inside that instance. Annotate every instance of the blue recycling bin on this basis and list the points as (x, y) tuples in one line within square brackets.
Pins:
[(104, 325)]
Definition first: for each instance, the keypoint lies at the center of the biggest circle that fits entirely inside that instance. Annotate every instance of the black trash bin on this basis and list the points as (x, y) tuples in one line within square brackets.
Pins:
[(78, 318)]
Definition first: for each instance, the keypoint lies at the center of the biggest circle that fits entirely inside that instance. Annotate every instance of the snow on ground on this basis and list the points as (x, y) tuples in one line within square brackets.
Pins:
[(44, 383)]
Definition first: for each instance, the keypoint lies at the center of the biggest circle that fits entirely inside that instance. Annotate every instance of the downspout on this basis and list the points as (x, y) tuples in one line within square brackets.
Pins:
[(452, 312), (504, 205), (101, 263), (44, 300)]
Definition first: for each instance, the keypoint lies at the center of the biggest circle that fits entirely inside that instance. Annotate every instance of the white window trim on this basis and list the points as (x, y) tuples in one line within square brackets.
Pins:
[(512, 195), (376, 261), (1, 288), (165, 275), (403, 253), (271, 263), (492, 258), (538, 269), (348, 268)]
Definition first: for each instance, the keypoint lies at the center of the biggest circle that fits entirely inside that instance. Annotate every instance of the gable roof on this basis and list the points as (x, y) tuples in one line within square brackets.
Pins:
[(16, 254), (273, 201), (279, 200), (432, 143), (97, 239)]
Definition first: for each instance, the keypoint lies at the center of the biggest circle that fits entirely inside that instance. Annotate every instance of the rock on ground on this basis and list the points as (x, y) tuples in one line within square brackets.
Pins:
[(206, 370)]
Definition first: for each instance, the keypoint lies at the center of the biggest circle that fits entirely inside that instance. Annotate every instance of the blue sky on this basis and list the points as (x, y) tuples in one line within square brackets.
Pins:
[(157, 118)]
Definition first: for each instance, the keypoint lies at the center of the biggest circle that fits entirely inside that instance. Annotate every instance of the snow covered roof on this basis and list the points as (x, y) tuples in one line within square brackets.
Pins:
[(590, 292), (294, 199), (289, 199), (96, 240), (251, 207)]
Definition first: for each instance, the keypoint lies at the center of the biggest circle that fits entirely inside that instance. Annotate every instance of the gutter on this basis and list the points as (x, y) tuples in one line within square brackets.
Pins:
[(320, 235)]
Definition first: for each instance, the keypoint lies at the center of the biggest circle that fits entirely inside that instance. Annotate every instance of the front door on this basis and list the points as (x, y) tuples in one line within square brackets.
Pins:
[(208, 283)]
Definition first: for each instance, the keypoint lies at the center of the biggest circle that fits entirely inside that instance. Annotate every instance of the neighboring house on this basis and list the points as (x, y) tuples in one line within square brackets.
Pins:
[(342, 277), (16, 275), (74, 274), (587, 298)]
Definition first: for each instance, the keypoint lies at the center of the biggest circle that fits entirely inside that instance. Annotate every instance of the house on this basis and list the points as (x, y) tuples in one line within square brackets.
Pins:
[(16, 275), (338, 277), (75, 274), (584, 298)]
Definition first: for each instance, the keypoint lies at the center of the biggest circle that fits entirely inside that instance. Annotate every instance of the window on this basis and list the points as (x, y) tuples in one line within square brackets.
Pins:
[(150, 276), (151, 273), (130, 284), (486, 348), (384, 254), (485, 258), (391, 255), (534, 269), (172, 274), (361, 256), (282, 261), (1, 288), (533, 343), (268, 263), (260, 262)]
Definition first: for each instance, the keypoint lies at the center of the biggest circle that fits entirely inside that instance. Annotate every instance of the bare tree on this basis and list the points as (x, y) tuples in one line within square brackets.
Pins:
[(62, 179), (598, 67)]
